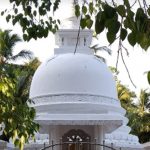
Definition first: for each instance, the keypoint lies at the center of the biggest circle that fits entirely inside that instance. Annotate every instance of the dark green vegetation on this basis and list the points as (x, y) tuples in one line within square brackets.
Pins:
[(120, 20), (15, 113), (128, 20), (138, 112), (137, 109)]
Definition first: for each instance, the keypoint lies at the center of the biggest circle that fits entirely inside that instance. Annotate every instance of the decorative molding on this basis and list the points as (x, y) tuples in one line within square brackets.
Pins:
[(122, 137), (122, 140), (123, 143), (75, 98), (111, 123)]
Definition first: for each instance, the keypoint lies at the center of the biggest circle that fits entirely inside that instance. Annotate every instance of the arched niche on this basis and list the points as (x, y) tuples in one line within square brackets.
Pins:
[(76, 137)]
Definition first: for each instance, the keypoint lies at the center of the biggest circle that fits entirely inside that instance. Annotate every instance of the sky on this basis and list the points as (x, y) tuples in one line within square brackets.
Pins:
[(138, 61)]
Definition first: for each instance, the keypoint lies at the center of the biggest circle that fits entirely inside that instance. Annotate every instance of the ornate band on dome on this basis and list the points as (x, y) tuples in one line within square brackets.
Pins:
[(75, 98), (81, 122)]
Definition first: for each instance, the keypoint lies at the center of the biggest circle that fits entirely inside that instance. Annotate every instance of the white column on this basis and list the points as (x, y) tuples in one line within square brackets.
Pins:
[(54, 135), (99, 135)]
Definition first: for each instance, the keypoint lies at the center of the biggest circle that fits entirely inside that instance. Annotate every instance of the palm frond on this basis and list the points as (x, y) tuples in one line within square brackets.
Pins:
[(101, 58), (7, 43), (22, 54), (144, 99), (33, 64), (96, 48)]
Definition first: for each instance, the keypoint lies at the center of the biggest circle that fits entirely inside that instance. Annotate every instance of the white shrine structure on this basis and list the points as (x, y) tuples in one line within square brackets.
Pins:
[(75, 96)]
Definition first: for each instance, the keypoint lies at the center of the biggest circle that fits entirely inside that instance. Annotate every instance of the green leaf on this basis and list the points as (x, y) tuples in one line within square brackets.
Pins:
[(84, 9), (25, 37), (89, 23), (113, 25), (14, 21), (83, 23), (140, 14), (111, 37), (45, 32), (132, 38), (17, 142), (2, 13), (87, 17), (17, 2), (130, 14), (100, 22), (129, 21), (127, 4), (139, 36), (14, 135), (28, 10), (99, 26), (77, 10), (58, 21), (148, 11), (42, 11), (8, 18), (148, 77), (56, 5), (34, 13), (144, 41), (109, 11), (91, 8), (121, 10), (123, 34), (16, 10)]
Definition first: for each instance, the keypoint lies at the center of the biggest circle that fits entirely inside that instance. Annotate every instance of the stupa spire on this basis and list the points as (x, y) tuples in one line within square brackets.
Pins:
[(71, 22), (66, 38)]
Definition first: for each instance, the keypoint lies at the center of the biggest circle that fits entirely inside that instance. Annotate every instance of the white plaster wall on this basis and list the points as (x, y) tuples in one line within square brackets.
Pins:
[(2, 145), (147, 148), (118, 148)]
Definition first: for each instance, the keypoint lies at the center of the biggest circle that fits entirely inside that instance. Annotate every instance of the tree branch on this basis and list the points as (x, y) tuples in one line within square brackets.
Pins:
[(133, 3), (127, 69), (118, 54), (139, 3), (78, 37)]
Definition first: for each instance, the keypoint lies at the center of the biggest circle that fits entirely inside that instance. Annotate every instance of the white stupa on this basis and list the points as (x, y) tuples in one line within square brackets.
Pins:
[(75, 94)]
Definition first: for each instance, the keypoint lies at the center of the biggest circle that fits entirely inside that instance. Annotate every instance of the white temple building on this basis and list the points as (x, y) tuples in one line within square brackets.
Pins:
[(75, 98)]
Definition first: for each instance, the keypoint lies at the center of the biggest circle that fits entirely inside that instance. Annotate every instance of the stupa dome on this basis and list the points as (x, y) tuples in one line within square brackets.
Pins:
[(75, 91), (75, 88), (73, 74)]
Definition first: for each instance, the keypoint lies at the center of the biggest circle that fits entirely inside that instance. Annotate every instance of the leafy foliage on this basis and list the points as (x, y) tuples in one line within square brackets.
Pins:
[(125, 95), (7, 43), (148, 77), (34, 19), (121, 20), (15, 113), (137, 113)]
